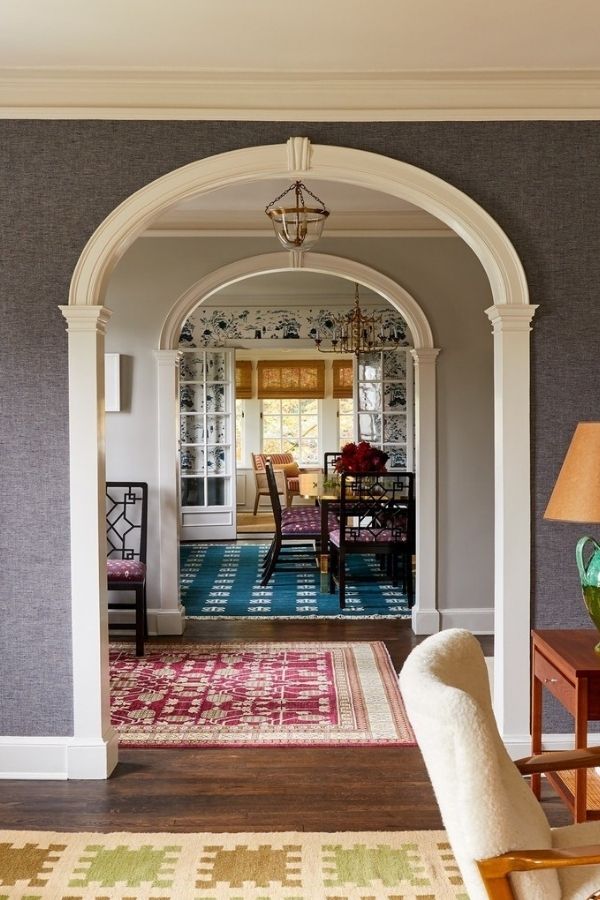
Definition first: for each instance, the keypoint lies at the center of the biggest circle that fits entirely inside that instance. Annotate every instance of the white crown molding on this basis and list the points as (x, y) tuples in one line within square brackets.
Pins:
[(88, 93), (248, 223)]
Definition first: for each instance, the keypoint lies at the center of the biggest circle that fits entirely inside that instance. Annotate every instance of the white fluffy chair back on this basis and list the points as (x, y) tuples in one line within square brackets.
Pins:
[(486, 805)]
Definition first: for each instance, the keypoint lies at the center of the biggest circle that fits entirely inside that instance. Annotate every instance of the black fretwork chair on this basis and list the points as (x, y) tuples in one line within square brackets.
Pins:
[(376, 516), (329, 460), (126, 535), (294, 527)]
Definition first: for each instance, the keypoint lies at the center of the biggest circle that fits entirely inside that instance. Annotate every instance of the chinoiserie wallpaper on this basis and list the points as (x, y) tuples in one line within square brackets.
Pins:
[(211, 326)]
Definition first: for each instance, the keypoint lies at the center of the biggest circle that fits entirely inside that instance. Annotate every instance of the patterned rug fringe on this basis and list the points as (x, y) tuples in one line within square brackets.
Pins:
[(256, 617), (387, 865)]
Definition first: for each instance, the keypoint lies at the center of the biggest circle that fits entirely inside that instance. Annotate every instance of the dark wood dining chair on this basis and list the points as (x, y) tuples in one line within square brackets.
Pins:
[(292, 526), (376, 516), (329, 460), (126, 537)]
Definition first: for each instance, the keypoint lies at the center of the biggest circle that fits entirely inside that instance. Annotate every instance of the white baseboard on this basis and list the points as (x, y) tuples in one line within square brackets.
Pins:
[(57, 758), (425, 621), (479, 620), (92, 761), (166, 621)]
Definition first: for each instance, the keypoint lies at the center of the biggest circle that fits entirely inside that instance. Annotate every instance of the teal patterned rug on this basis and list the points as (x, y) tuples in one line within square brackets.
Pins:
[(223, 581)]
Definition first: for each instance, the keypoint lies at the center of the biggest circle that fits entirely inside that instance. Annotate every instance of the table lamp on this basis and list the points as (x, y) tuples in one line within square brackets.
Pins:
[(576, 498)]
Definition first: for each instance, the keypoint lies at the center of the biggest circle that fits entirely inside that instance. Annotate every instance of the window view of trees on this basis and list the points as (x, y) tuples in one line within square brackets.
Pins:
[(291, 426)]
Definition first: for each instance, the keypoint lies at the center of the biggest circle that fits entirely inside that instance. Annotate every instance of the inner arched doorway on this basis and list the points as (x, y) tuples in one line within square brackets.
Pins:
[(425, 615), (93, 751)]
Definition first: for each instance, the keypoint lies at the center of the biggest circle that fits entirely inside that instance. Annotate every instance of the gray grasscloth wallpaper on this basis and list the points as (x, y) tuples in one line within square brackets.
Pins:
[(58, 180)]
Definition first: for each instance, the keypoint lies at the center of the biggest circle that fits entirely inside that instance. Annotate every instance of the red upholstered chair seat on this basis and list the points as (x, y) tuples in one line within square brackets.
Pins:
[(125, 570), (303, 521)]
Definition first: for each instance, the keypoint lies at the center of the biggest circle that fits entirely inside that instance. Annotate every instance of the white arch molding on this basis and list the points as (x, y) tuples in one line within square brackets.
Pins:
[(425, 616), (92, 752)]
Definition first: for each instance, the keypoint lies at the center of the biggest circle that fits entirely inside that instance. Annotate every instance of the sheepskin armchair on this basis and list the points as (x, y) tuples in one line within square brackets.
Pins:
[(487, 807)]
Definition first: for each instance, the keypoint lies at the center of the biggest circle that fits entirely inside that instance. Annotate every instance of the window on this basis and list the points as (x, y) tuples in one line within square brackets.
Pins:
[(292, 426), (345, 421)]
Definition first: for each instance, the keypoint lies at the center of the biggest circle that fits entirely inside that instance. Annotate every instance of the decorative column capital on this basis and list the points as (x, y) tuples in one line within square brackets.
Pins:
[(86, 319), (425, 356), (506, 317), (168, 357)]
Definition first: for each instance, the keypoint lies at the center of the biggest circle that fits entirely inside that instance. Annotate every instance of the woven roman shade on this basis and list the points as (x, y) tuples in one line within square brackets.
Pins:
[(343, 376), (243, 379), (302, 379)]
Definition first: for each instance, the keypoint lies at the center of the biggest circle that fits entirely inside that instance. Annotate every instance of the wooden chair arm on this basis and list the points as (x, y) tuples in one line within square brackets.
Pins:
[(559, 760), (495, 871)]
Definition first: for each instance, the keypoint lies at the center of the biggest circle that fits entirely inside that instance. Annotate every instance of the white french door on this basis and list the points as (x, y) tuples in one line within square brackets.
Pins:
[(207, 445)]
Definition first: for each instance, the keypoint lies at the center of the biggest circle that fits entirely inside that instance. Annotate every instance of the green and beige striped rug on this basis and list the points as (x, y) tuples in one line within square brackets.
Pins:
[(391, 865)]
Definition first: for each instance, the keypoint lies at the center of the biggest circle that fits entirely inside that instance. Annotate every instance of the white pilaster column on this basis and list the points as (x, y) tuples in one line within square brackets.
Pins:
[(170, 618), (425, 614), (93, 751), (511, 327)]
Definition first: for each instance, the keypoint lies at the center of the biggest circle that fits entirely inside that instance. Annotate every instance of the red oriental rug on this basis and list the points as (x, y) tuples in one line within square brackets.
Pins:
[(255, 695)]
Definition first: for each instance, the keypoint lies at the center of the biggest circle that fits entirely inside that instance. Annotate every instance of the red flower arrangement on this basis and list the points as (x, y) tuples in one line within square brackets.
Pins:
[(361, 457)]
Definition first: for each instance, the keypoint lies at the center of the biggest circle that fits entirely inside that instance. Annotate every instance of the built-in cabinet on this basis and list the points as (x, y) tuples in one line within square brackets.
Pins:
[(384, 404), (207, 444)]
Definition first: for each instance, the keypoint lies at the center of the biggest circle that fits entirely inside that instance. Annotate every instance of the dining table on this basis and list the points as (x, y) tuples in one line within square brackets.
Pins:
[(324, 491)]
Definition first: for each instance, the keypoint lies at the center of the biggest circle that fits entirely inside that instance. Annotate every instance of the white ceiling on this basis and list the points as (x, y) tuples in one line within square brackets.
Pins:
[(268, 60), (315, 35), (307, 288), (239, 210)]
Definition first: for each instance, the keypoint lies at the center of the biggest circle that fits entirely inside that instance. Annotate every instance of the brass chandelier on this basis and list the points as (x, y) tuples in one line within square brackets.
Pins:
[(355, 332), (297, 227)]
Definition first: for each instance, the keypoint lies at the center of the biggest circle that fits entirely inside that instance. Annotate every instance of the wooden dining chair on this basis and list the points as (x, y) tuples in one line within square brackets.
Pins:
[(329, 460), (126, 537), (293, 525), (376, 516)]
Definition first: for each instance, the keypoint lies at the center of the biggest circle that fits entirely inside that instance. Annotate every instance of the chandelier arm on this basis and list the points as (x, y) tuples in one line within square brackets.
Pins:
[(358, 332)]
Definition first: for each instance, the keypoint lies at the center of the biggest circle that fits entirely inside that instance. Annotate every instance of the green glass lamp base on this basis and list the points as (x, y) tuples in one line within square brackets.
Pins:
[(587, 554), (591, 598)]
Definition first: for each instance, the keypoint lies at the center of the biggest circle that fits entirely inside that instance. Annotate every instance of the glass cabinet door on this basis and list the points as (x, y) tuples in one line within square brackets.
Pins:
[(384, 404), (207, 444)]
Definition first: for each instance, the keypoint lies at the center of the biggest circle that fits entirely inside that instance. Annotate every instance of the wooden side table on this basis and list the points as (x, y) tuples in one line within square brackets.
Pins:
[(564, 662)]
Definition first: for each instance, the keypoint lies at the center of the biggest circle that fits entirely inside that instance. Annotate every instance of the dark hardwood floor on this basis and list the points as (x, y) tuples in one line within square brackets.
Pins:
[(271, 789)]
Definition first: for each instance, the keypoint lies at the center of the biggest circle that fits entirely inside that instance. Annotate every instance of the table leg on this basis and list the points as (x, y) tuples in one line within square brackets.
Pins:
[(536, 726), (324, 554), (581, 727)]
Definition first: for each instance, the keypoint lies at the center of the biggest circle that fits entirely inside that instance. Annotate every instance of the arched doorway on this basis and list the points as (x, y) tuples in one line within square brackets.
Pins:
[(425, 616), (511, 315)]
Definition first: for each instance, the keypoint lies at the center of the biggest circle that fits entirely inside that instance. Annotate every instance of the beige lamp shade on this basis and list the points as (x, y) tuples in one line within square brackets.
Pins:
[(576, 494)]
